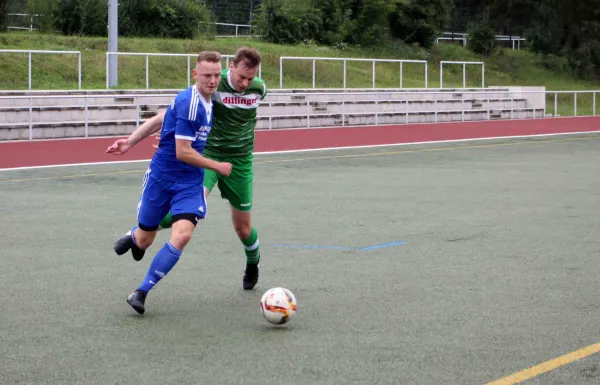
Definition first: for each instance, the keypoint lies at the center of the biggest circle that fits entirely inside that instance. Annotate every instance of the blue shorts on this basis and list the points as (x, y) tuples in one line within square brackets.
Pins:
[(160, 196)]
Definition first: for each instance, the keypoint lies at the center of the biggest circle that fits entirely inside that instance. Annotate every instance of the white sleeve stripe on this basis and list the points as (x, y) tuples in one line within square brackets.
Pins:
[(192, 138), (193, 105), (197, 99)]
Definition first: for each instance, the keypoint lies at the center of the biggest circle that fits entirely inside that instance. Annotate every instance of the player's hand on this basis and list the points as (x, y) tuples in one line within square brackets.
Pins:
[(119, 147), (224, 168), (157, 142)]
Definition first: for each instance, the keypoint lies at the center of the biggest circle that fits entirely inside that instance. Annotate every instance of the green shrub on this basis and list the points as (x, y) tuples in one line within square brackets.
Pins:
[(482, 39)]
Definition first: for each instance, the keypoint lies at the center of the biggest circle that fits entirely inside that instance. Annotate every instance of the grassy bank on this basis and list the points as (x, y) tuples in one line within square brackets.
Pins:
[(508, 67)]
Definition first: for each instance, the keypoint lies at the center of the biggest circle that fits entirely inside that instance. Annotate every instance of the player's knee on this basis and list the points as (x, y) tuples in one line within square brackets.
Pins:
[(144, 238), (182, 230), (144, 242), (180, 236), (243, 230)]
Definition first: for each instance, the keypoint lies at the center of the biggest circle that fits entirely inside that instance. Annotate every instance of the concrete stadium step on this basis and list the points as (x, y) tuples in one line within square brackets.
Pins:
[(282, 108), (132, 112), (331, 120), (57, 114), (103, 97), (73, 129), (386, 96), (63, 113), (90, 97)]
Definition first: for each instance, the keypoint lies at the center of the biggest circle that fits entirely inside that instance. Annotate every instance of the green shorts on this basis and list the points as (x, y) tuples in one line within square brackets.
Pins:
[(237, 187)]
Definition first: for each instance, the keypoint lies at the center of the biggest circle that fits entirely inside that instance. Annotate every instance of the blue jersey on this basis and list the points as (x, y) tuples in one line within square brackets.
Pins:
[(189, 117)]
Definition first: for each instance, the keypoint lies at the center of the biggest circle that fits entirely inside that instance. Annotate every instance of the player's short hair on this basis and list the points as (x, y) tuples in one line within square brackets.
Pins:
[(209, 56), (248, 56)]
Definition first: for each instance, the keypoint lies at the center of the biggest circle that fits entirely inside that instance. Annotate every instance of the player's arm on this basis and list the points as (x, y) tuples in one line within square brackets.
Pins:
[(186, 153), (185, 135), (148, 128)]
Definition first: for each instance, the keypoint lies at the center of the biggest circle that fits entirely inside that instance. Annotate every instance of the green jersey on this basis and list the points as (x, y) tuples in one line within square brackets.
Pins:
[(234, 118)]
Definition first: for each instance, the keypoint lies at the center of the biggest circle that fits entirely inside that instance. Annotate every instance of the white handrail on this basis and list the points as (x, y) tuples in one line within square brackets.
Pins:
[(33, 51), (147, 55), (345, 60), (464, 64), (464, 40), (24, 15), (237, 26)]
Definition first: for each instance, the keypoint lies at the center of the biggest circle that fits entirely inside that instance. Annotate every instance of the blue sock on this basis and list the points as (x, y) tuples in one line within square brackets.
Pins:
[(162, 263), (131, 233)]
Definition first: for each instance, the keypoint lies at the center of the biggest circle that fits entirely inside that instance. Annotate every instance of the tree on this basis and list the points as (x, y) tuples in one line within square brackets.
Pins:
[(82, 17), (288, 21), (5, 6), (482, 39), (570, 29), (419, 21), (372, 25)]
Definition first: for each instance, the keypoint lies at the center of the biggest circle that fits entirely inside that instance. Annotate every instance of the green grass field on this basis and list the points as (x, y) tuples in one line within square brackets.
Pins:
[(507, 67), (498, 273)]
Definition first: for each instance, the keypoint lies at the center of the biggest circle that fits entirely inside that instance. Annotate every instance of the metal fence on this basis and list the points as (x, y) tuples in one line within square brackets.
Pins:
[(83, 112), (25, 18), (31, 52), (225, 30), (464, 71), (148, 55), (463, 37), (345, 61), (401, 63)]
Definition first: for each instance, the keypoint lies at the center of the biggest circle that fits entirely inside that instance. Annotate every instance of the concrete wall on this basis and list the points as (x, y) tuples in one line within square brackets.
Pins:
[(51, 115)]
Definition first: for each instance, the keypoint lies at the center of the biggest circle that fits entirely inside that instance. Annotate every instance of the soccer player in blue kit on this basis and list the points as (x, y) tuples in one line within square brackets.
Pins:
[(174, 179)]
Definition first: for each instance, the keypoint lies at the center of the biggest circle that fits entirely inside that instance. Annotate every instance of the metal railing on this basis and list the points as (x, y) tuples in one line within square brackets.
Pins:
[(31, 52), (464, 72), (30, 28), (402, 106), (516, 40), (400, 62), (345, 61), (463, 39), (148, 55), (237, 28)]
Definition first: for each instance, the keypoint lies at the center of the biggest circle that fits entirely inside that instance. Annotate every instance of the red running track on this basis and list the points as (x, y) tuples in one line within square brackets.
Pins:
[(69, 151)]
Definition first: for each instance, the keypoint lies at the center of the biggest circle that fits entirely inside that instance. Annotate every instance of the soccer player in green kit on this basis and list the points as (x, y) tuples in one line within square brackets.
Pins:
[(232, 140)]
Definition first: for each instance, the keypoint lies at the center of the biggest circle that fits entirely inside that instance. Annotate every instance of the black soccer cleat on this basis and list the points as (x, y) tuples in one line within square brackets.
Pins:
[(125, 243), (250, 277), (136, 301)]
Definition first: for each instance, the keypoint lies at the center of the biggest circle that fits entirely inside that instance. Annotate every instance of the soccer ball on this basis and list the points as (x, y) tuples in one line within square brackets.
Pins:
[(278, 305)]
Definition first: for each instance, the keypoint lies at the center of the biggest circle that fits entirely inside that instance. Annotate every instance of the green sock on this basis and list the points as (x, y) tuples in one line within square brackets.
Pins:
[(166, 222), (251, 248)]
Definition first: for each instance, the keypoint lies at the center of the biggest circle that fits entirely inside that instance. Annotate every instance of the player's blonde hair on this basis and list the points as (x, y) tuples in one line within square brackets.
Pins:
[(209, 56), (248, 56)]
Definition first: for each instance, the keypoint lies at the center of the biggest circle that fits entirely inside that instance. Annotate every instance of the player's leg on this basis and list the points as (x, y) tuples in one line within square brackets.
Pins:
[(187, 207), (242, 223), (150, 208), (210, 180), (237, 188)]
